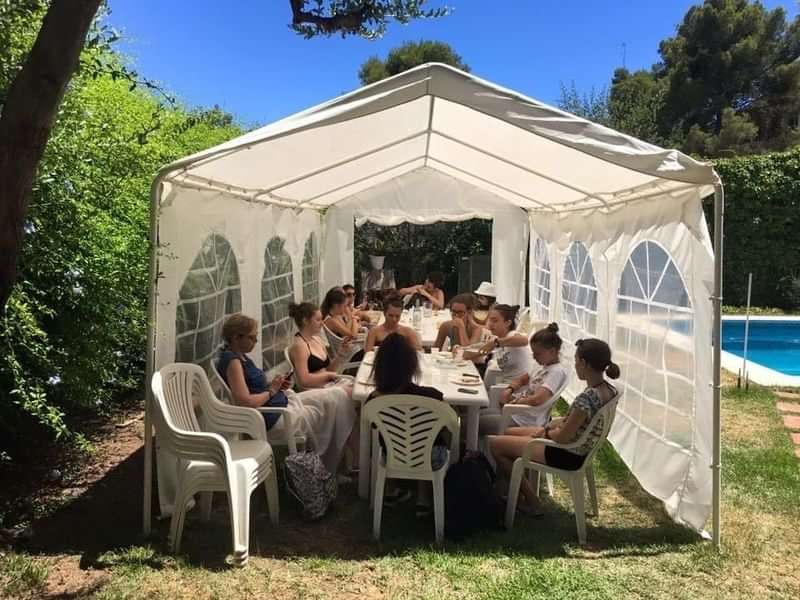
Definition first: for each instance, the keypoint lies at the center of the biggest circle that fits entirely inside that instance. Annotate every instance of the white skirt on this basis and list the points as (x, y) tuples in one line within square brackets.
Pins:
[(327, 416)]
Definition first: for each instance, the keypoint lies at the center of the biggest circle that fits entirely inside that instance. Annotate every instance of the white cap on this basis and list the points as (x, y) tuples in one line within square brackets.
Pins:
[(486, 289)]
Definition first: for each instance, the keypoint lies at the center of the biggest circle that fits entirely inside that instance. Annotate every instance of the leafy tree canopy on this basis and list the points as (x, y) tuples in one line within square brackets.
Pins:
[(408, 56), (365, 18)]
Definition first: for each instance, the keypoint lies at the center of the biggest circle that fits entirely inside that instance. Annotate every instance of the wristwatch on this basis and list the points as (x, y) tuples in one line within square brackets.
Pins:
[(497, 342)]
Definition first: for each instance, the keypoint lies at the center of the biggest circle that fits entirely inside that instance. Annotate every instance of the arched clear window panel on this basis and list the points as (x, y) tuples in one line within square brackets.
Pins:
[(311, 270), (578, 295), (540, 300), (654, 345), (210, 293), (277, 291)]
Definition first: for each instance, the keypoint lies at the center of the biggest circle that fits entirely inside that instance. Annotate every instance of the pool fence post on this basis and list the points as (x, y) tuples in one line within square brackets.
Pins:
[(747, 331)]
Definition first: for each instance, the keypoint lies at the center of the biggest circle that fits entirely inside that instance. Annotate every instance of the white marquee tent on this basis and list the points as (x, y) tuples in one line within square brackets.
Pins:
[(619, 247)]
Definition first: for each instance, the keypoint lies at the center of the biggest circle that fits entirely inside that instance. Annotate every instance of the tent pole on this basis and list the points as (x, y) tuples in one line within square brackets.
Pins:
[(155, 193), (719, 209)]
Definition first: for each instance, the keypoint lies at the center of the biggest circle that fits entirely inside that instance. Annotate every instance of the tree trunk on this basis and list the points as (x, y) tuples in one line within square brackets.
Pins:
[(27, 118)]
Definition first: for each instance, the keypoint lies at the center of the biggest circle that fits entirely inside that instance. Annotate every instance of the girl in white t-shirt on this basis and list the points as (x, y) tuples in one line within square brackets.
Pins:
[(537, 388), (509, 347)]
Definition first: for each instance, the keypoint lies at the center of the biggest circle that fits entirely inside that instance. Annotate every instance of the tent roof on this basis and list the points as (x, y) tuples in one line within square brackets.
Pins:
[(435, 117)]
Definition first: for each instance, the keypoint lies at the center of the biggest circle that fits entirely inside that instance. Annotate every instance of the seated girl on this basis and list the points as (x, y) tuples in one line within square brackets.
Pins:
[(535, 390), (313, 368), (396, 365), (461, 330), (592, 361), (336, 316), (340, 321), (392, 311), (430, 291), (325, 416), (509, 347)]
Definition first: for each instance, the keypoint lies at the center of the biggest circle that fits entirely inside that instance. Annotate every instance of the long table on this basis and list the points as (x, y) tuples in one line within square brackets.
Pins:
[(434, 375)]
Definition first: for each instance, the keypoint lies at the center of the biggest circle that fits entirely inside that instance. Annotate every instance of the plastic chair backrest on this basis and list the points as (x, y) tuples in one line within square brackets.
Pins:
[(409, 425), (607, 414), (177, 387), (334, 341), (216, 376)]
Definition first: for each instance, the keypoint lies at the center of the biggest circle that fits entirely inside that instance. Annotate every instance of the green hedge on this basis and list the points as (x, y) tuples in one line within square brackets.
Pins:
[(762, 228)]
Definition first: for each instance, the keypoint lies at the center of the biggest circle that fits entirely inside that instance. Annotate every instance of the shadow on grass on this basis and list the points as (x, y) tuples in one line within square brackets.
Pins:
[(103, 526)]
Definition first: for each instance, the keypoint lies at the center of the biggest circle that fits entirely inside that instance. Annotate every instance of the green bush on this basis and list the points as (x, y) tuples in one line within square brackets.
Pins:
[(762, 228), (73, 335)]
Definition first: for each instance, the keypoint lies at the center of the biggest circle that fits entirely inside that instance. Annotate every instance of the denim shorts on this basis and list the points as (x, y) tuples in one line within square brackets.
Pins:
[(438, 457)]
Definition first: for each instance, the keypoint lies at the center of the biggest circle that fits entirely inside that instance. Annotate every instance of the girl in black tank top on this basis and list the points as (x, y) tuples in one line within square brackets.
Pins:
[(315, 363)]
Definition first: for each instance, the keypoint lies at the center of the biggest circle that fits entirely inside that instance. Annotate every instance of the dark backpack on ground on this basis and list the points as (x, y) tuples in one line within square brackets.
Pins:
[(470, 501)]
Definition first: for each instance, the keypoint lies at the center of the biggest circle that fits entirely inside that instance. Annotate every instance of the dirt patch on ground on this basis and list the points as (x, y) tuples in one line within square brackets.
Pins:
[(74, 508)]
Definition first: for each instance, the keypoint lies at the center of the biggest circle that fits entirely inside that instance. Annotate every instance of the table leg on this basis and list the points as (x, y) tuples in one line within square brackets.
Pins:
[(473, 414), (364, 458)]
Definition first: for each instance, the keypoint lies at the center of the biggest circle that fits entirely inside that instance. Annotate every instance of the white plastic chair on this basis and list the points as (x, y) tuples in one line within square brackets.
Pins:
[(206, 461), (524, 320), (286, 432), (334, 343), (520, 409), (573, 479), (409, 425)]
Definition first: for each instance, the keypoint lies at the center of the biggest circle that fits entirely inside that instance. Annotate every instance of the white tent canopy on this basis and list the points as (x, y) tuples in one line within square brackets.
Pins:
[(619, 246)]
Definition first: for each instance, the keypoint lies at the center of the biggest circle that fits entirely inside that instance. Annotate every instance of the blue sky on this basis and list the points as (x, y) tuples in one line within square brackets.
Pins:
[(242, 55)]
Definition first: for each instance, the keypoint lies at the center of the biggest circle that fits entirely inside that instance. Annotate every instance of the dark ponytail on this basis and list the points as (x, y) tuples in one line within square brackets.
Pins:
[(301, 312), (597, 356), (548, 337), (509, 313)]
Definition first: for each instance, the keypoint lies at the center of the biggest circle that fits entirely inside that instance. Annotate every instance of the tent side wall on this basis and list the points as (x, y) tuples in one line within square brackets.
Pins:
[(641, 278), (219, 254)]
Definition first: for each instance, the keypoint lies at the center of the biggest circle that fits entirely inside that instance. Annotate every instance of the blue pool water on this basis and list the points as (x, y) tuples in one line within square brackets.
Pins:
[(773, 344)]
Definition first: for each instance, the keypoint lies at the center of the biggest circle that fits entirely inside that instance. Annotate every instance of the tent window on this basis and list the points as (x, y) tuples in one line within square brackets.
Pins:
[(541, 281), (277, 291), (655, 345), (578, 303), (578, 294), (311, 270), (210, 293)]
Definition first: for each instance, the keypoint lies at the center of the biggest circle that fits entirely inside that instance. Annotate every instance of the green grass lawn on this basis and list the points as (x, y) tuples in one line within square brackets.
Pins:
[(634, 550)]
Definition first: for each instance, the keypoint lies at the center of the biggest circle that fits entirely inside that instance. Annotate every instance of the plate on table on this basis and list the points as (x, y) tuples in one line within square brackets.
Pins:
[(461, 379)]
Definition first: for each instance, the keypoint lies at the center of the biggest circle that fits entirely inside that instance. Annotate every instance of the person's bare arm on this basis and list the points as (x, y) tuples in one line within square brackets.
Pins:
[(340, 328), (241, 394), (564, 431), (539, 397), (444, 329), (412, 336), (369, 345), (412, 289)]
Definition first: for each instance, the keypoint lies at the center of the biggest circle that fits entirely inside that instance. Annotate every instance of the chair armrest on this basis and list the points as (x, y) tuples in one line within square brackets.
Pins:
[(199, 445), (290, 423), (226, 418), (495, 393), (516, 409)]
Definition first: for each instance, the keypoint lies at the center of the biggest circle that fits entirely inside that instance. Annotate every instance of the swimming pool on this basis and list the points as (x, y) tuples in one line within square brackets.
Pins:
[(773, 342)]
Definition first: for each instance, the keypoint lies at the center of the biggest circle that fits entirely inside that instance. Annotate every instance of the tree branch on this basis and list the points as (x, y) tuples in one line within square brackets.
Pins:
[(348, 22)]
